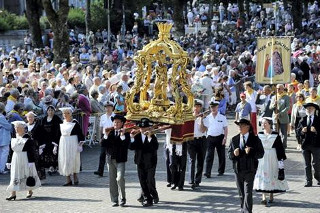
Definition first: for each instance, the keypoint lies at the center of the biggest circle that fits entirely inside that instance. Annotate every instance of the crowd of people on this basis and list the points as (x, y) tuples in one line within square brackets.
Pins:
[(220, 72)]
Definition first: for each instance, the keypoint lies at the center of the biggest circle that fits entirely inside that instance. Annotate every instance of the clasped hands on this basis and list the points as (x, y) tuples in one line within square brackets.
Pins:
[(312, 129), (236, 152)]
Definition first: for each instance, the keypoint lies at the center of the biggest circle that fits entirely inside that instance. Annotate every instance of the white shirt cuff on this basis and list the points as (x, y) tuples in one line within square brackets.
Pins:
[(105, 136), (131, 140), (122, 137)]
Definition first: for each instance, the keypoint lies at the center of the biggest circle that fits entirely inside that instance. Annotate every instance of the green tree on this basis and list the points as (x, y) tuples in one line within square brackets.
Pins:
[(58, 22)]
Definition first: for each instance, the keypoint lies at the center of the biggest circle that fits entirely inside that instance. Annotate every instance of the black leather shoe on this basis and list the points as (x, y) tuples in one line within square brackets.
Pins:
[(220, 174), (156, 200), (197, 184), (123, 202), (308, 184), (115, 204), (193, 186), (169, 185), (11, 197), (173, 187), (98, 173), (147, 204), (140, 199), (180, 188), (318, 183), (207, 175), (68, 184)]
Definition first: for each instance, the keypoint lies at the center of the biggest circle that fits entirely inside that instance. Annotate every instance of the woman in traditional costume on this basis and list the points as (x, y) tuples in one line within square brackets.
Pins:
[(267, 179), (69, 147), (21, 162), (48, 142)]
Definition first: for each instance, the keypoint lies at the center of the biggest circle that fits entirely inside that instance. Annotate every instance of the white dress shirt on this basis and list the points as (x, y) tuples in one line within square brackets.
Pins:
[(215, 125)]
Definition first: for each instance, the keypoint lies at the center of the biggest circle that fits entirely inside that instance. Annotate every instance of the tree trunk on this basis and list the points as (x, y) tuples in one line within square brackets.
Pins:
[(88, 16), (58, 23), (210, 21), (285, 4), (178, 17), (296, 12), (247, 23), (305, 8), (33, 14), (241, 13)]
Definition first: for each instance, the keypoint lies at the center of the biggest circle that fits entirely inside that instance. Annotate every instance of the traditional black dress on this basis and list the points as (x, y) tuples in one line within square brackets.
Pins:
[(49, 131)]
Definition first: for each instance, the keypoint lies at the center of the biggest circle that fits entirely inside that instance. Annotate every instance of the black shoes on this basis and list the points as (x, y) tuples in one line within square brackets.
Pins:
[(12, 197), (115, 204), (220, 174), (29, 195), (173, 187), (169, 185), (180, 188), (147, 204), (123, 202), (308, 184), (68, 184), (156, 200), (207, 175), (98, 173), (140, 199)]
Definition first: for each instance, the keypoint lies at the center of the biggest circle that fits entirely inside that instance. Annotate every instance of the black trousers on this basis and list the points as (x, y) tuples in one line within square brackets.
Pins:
[(167, 157), (197, 153), (148, 183), (102, 160), (244, 182), (310, 152), (178, 166), (212, 144)]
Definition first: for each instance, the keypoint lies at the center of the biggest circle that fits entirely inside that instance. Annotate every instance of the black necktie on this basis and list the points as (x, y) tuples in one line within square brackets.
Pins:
[(243, 142), (117, 133), (309, 121)]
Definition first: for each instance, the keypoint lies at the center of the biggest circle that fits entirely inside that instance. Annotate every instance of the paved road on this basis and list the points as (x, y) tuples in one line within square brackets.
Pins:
[(217, 194)]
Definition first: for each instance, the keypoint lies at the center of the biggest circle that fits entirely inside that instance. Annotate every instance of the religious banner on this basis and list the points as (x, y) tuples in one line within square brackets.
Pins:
[(273, 60)]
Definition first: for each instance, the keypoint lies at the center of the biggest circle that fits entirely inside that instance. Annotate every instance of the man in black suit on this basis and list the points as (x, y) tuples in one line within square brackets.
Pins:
[(117, 143), (245, 149), (146, 145), (309, 129), (263, 101)]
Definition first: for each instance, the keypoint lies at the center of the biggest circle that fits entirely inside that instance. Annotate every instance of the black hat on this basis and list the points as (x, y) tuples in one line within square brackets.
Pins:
[(243, 121), (144, 122), (119, 117), (316, 106)]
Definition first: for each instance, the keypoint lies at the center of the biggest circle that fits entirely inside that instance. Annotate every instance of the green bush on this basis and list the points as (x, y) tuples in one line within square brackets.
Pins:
[(3, 25), (21, 23), (76, 18), (10, 21)]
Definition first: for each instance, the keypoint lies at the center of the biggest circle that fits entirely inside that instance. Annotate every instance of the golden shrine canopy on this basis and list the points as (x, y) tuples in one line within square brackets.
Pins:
[(154, 60)]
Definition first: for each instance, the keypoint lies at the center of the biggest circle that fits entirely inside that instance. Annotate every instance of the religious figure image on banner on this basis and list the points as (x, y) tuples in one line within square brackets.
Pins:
[(277, 62), (273, 60)]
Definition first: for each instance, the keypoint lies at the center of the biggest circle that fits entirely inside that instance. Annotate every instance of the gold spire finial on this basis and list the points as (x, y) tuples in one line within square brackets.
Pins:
[(164, 29)]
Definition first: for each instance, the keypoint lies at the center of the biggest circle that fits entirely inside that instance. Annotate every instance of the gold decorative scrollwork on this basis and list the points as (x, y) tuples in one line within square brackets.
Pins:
[(153, 62)]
